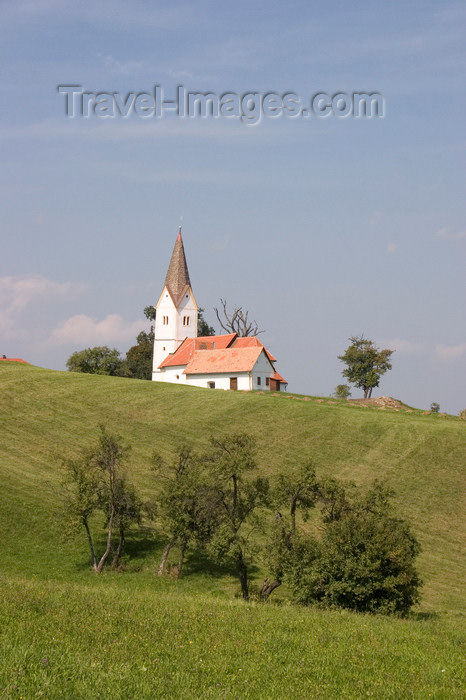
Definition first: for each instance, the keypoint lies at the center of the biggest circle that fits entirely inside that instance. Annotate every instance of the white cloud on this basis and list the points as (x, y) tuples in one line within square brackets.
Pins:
[(451, 352), (86, 330), (446, 233), (19, 292)]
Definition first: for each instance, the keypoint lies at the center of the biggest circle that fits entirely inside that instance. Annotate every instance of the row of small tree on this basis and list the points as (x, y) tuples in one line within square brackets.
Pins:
[(360, 556)]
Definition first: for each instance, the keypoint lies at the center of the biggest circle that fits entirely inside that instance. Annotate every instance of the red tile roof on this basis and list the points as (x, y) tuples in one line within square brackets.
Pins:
[(190, 345), (13, 359), (250, 342), (219, 353), (226, 360)]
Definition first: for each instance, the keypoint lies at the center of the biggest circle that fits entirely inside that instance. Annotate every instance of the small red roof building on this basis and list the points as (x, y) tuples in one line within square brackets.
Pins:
[(13, 359)]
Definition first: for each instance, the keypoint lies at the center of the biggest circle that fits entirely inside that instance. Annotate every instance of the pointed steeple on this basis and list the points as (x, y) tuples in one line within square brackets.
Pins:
[(177, 279)]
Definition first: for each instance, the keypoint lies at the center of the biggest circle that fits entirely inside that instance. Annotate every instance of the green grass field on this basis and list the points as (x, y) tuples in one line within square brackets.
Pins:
[(66, 633)]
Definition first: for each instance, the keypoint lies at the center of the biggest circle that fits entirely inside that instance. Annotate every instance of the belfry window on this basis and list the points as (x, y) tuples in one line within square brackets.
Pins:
[(165, 320), (186, 320)]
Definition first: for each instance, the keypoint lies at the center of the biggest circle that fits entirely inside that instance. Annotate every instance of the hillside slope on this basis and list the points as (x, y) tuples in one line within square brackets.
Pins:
[(46, 415)]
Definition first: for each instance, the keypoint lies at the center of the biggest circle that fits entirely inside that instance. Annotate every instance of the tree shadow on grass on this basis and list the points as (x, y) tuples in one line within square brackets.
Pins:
[(198, 562), (143, 543), (139, 546)]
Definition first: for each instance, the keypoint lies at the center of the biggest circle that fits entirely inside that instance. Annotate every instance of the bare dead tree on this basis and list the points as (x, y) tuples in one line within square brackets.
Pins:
[(236, 321)]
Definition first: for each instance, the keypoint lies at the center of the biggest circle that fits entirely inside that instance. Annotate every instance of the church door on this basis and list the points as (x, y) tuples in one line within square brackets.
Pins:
[(234, 383)]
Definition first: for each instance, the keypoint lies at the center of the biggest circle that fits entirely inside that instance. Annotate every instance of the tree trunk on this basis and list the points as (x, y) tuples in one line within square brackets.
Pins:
[(91, 544), (165, 554), (119, 552), (268, 588), (101, 563)]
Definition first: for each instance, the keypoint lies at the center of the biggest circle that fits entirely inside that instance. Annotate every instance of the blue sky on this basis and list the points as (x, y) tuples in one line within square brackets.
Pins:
[(322, 228)]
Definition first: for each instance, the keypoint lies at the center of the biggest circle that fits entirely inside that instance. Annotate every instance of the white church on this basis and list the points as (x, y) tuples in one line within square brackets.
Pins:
[(214, 362)]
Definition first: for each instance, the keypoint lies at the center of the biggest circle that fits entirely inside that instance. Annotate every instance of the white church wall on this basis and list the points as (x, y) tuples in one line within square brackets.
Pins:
[(262, 371), (221, 380), (171, 327), (165, 329), (186, 318), (173, 375)]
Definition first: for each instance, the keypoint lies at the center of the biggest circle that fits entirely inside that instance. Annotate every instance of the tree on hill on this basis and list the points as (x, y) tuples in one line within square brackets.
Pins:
[(139, 357), (238, 495), (138, 363), (364, 560), (365, 364), (98, 482), (296, 489), (97, 360), (342, 391), (188, 508), (236, 321)]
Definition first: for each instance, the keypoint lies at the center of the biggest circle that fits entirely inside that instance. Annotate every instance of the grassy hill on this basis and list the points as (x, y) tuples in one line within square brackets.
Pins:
[(55, 609)]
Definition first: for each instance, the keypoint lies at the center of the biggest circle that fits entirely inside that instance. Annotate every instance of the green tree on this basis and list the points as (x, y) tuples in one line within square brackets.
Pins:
[(129, 510), (203, 328), (298, 488), (139, 357), (81, 486), (365, 364), (138, 363), (238, 496), (96, 360), (97, 482), (342, 391), (435, 407), (188, 507), (150, 313), (295, 489), (364, 560)]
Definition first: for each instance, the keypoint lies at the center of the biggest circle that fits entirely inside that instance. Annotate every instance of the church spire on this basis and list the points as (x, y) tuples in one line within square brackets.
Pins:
[(177, 311), (177, 279)]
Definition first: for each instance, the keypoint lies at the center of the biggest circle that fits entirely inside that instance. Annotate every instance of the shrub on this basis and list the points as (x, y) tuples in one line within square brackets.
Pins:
[(342, 391), (363, 562)]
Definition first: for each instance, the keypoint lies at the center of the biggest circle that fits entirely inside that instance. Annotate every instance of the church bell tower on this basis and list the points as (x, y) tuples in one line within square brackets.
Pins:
[(176, 309)]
